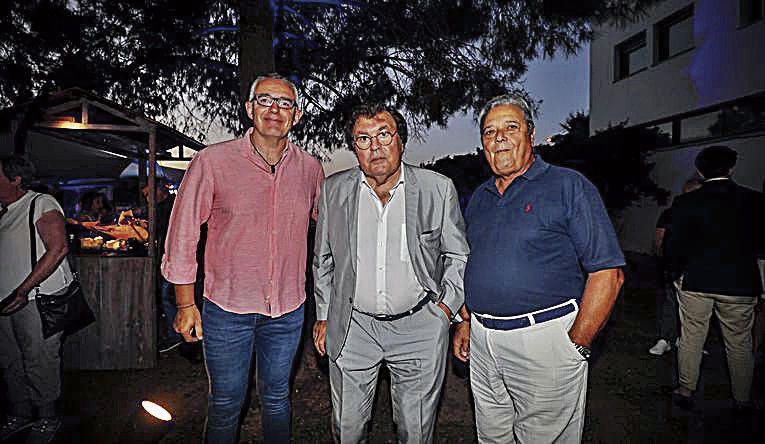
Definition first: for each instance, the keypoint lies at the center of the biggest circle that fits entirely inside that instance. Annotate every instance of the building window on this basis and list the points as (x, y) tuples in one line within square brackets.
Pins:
[(663, 133), (674, 34), (751, 11), (744, 116), (631, 56), (703, 126)]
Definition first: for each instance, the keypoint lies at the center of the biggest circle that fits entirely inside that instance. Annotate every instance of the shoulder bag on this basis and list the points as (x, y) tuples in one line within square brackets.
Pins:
[(67, 312)]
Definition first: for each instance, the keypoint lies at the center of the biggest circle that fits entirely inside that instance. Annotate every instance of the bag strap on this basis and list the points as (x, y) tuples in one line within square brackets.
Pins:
[(32, 231)]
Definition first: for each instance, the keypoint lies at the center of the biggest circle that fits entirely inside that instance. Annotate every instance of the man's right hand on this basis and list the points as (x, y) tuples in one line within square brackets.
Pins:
[(320, 337), (461, 341), (188, 322)]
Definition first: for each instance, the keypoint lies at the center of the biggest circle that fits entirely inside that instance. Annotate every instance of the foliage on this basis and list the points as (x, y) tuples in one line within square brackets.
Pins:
[(179, 61), (615, 160)]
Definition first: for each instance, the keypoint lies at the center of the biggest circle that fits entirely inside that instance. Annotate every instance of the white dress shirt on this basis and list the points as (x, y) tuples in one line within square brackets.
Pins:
[(385, 282)]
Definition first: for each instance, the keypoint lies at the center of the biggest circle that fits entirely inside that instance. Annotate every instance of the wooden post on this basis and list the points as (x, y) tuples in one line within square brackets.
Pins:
[(152, 184)]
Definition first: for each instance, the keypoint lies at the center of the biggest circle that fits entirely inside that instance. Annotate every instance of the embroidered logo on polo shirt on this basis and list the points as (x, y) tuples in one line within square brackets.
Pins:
[(527, 208)]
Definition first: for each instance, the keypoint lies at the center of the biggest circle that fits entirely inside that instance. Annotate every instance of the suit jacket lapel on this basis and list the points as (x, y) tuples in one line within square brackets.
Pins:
[(412, 210), (351, 205)]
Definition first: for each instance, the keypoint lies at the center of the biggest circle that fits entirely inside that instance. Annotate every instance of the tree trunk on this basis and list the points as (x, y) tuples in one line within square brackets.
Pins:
[(256, 53)]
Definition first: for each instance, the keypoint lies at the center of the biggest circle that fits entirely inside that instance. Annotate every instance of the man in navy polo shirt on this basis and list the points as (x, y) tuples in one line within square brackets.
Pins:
[(541, 280)]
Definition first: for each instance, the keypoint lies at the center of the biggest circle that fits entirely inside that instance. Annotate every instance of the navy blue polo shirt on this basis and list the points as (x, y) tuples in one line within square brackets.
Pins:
[(532, 247)]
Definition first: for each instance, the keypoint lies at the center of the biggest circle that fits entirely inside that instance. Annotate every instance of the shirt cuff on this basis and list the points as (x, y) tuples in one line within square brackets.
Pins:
[(179, 273)]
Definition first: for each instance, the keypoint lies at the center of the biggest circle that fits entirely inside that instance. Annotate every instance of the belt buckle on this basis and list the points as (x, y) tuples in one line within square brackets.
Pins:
[(384, 317)]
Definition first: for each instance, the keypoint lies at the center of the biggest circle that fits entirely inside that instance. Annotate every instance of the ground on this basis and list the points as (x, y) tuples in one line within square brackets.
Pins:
[(627, 392)]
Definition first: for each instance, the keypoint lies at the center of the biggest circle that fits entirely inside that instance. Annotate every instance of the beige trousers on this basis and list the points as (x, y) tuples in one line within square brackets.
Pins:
[(736, 316), (529, 385)]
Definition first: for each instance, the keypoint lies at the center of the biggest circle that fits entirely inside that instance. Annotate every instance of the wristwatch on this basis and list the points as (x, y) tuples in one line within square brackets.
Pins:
[(584, 351)]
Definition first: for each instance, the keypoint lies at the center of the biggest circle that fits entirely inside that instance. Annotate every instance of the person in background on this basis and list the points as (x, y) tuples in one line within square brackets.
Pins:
[(170, 339), (666, 299), (31, 363), (717, 234), (95, 207)]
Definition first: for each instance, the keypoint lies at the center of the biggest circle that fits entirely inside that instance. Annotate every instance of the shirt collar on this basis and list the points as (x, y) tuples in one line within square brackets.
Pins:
[(537, 168), (363, 180), (247, 149), (19, 201)]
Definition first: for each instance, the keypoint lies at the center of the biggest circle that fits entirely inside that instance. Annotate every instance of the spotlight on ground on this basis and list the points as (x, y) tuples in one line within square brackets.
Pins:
[(148, 423)]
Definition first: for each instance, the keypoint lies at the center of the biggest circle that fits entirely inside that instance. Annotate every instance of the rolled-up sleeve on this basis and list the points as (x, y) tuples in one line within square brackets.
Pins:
[(191, 209)]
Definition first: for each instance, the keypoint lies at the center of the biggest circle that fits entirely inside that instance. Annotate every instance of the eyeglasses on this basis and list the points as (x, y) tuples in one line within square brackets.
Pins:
[(384, 138), (267, 100)]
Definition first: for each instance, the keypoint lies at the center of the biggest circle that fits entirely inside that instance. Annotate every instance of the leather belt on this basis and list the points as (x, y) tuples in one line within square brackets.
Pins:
[(393, 317), (528, 319)]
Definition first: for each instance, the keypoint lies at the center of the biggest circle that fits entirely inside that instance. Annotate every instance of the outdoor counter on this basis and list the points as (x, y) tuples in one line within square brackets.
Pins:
[(120, 290)]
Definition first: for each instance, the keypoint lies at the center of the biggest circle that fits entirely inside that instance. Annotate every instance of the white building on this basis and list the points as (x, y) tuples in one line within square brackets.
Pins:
[(695, 70)]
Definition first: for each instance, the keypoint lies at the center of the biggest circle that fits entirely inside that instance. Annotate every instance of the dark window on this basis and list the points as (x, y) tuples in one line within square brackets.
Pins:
[(663, 133), (744, 116), (702, 126), (674, 34), (631, 56), (751, 11)]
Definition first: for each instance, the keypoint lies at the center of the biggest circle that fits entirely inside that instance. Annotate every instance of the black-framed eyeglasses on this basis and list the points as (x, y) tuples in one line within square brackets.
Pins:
[(268, 100), (364, 141)]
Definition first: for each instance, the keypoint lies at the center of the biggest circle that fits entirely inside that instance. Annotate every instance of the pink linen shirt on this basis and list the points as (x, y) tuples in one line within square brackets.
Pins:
[(257, 226)]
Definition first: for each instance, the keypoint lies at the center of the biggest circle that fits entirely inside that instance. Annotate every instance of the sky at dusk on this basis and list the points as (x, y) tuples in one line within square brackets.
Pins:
[(561, 83)]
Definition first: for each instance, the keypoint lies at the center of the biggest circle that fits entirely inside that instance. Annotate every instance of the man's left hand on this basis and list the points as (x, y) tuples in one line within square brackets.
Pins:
[(446, 310), (579, 341), (14, 302), (320, 337)]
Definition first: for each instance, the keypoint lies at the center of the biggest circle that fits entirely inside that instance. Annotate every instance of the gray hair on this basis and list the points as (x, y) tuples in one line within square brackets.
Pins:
[(274, 76), (17, 166), (509, 99)]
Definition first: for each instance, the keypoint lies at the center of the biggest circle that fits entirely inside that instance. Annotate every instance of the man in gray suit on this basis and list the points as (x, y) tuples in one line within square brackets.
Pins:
[(389, 260)]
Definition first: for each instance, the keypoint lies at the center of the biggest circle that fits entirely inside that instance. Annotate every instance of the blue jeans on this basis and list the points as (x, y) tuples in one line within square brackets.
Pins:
[(229, 340)]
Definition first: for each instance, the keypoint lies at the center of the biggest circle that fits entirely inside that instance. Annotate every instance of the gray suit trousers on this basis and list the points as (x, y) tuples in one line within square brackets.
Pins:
[(414, 348)]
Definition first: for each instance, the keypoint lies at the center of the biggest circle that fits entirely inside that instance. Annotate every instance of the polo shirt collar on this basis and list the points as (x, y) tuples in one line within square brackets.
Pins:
[(537, 168)]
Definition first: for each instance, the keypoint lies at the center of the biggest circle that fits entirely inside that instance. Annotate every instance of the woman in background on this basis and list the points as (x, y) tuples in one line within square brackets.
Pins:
[(32, 363)]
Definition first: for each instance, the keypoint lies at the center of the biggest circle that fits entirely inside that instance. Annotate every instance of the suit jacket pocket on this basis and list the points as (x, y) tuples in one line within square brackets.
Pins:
[(430, 237)]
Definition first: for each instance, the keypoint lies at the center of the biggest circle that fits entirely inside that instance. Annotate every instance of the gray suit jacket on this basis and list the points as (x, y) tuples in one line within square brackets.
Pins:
[(435, 235)]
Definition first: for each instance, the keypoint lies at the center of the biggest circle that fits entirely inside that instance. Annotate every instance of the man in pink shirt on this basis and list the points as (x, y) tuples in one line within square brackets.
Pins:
[(256, 195)]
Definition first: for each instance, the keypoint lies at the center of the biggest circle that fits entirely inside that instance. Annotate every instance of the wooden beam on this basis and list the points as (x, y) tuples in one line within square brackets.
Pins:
[(136, 120), (91, 127), (89, 144), (63, 107), (85, 116)]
